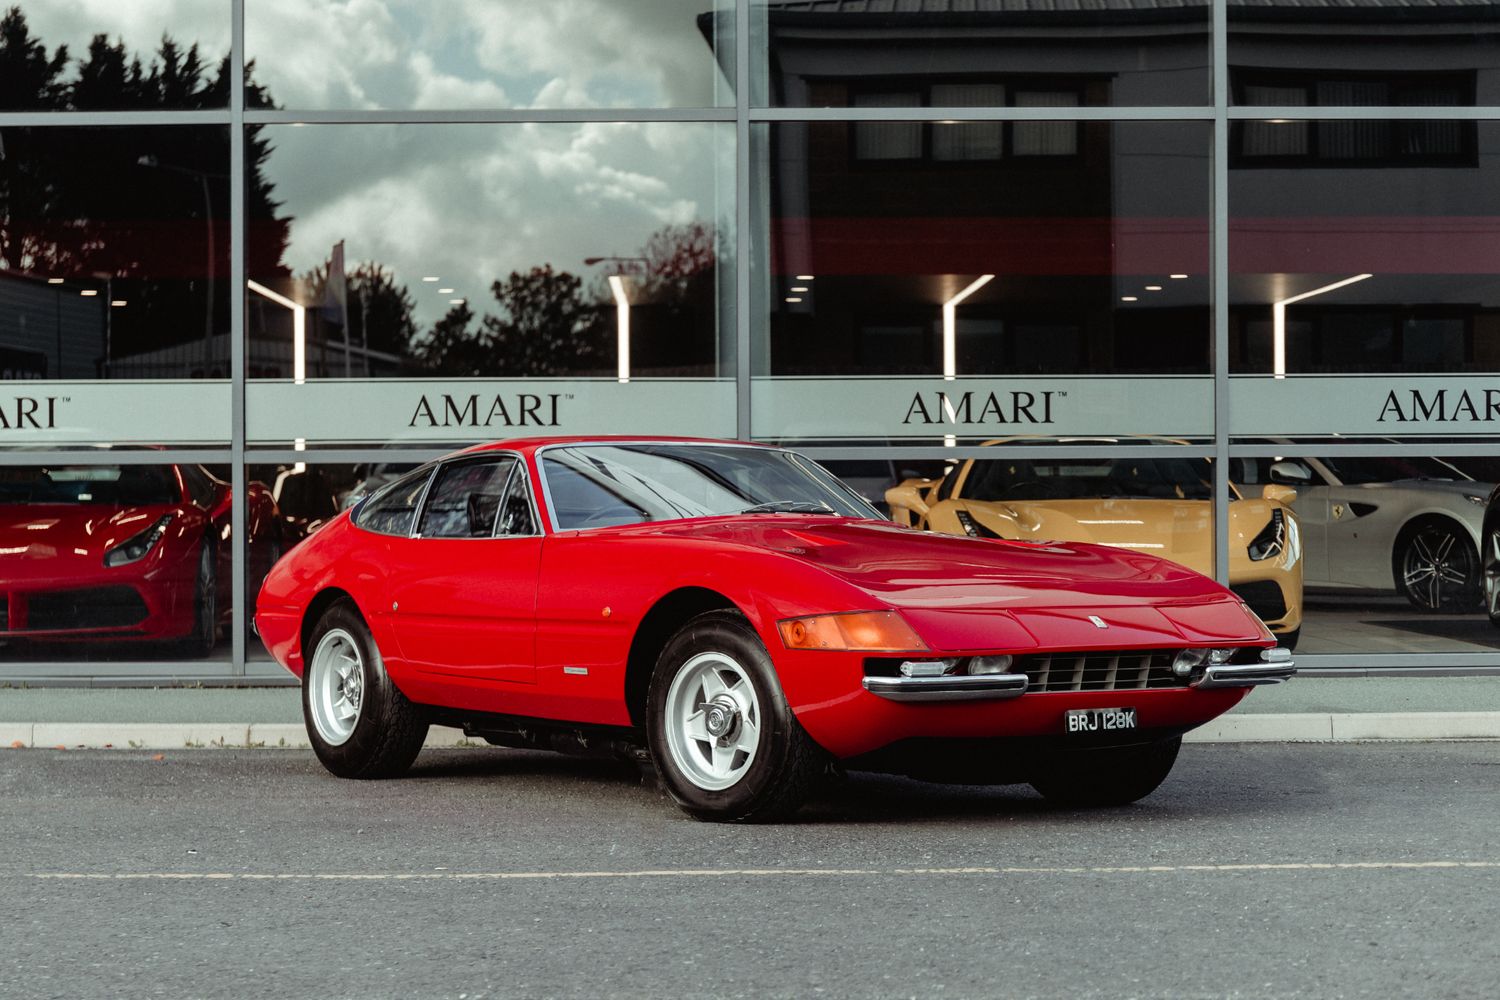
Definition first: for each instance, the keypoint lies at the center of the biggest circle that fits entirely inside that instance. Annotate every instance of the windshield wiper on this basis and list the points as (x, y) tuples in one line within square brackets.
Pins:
[(789, 507)]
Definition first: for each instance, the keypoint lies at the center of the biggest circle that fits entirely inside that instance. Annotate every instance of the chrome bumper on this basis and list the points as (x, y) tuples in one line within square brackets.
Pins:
[(955, 687), (1274, 667)]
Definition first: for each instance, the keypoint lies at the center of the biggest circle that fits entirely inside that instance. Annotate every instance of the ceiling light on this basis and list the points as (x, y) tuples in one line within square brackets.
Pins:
[(794, 298), (432, 277), (1128, 298), (1153, 288), (1177, 277), (445, 291), (800, 288), (54, 281), (804, 277), (117, 302), (89, 292), (457, 302)]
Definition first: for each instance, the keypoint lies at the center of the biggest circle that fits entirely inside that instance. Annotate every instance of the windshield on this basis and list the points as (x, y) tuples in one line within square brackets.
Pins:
[(113, 485), (593, 486), (1100, 479)]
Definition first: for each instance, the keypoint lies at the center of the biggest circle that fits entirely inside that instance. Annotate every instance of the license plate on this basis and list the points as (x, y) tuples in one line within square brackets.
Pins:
[(1099, 720)]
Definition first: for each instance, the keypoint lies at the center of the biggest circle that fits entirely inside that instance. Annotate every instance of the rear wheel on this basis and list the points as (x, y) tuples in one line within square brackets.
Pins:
[(205, 635), (1437, 567), (1115, 776), (359, 724), (723, 738)]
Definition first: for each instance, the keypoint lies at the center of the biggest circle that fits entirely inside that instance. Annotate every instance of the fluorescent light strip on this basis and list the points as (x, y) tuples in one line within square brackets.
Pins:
[(950, 325), (622, 322), (1278, 321)]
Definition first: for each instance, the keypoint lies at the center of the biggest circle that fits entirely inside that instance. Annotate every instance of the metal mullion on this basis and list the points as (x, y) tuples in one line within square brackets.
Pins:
[(93, 119), (344, 456), (116, 456), (1313, 112), (742, 236), (1398, 664), (1355, 449), (929, 114), (856, 453), (1219, 267), (239, 561), (487, 116)]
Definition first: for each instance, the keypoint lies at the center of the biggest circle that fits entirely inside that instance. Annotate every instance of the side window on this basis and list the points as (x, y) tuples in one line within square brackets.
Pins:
[(200, 487), (516, 517), (392, 510), (465, 499)]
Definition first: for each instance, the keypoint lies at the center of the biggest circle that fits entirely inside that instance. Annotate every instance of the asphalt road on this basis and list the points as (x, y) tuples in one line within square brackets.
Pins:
[(1270, 870)]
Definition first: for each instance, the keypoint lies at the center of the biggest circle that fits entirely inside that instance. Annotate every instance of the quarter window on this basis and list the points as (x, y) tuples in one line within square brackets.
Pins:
[(392, 511)]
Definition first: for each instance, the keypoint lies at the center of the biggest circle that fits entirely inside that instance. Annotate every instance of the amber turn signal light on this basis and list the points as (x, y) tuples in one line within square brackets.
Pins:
[(876, 631)]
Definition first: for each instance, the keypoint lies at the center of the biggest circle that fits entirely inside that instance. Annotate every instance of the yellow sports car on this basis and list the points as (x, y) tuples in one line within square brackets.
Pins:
[(1163, 506)]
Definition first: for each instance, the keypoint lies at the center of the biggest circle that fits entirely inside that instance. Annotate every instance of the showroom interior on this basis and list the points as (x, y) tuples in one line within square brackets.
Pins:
[(1213, 280)]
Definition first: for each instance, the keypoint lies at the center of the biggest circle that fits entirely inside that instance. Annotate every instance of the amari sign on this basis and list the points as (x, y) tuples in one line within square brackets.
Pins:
[(1364, 405), (357, 411), (896, 408), (40, 412)]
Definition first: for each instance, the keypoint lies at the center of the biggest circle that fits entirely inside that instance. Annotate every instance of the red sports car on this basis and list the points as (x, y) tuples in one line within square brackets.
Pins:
[(111, 553), (741, 617)]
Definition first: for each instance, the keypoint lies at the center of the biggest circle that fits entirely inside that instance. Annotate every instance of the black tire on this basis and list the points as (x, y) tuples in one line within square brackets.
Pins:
[(1114, 776), (200, 642), (1288, 640), (768, 783), (387, 730), (1489, 559), (1437, 568)]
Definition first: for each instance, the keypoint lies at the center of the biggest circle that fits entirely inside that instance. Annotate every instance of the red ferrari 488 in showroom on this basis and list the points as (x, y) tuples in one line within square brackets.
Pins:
[(739, 617)]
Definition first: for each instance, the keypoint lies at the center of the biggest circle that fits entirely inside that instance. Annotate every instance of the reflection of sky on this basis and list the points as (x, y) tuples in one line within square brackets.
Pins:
[(363, 54), (471, 203)]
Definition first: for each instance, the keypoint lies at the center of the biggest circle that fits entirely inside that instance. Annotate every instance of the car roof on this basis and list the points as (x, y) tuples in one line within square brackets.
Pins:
[(531, 444)]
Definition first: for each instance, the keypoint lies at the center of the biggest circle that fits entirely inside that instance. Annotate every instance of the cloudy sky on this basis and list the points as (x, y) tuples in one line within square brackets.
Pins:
[(468, 203)]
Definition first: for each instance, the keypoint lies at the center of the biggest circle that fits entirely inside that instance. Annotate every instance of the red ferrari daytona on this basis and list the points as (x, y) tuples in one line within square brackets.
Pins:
[(739, 617)]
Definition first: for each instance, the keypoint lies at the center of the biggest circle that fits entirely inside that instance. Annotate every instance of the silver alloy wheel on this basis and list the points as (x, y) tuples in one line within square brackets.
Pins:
[(1437, 567), (335, 686), (713, 721)]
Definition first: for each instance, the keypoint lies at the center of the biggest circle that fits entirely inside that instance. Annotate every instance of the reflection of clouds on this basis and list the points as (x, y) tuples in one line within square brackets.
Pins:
[(471, 203), (482, 53), (139, 23)]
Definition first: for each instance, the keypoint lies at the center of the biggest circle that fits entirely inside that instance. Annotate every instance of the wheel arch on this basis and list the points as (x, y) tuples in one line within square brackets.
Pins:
[(325, 599), (658, 625)]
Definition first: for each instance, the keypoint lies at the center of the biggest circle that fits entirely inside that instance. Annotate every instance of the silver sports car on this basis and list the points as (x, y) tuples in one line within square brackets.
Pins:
[(1410, 523)]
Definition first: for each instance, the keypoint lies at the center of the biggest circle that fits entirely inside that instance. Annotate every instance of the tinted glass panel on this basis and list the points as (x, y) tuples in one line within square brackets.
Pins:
[(493, 53), (1364, 246), (143, 55), (936, 248), (118, 563), (971, 53), (393, 510), (1395, 52), (511, 250), (115, 248)]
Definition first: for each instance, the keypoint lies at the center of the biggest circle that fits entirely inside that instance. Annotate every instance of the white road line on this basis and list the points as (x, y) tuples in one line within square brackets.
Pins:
[(762, 872)]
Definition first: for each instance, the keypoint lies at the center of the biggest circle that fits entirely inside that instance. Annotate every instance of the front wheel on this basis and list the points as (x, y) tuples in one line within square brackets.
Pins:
[(720, 731), (1439, 569), (200, 642), (1115, 776), (359, 724)]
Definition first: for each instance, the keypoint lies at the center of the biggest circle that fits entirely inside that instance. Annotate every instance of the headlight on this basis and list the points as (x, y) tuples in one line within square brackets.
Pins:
[(135, 548), (973, 528), (866, 630), (1272, 538)]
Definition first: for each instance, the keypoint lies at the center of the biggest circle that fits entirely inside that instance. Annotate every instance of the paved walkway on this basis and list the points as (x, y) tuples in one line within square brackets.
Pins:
[(1308, 708)]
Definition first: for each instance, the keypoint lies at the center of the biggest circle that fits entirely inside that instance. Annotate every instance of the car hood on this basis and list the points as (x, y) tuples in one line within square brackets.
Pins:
[(67, 537), (1179, 530), (965, 593)]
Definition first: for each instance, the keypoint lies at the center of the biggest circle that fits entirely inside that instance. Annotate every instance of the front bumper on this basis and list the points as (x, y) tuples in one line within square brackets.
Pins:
[(1274, 667)]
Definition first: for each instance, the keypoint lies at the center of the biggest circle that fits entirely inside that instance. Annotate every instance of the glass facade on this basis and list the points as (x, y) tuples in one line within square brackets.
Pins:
[(1213, 280)]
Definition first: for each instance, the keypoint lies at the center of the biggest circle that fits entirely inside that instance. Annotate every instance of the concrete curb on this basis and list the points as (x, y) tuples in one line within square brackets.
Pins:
[(1309, 727)]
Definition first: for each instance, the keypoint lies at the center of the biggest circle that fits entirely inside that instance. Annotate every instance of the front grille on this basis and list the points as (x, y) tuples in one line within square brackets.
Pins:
[(1264, 598), (96, 607), (1132, 670)]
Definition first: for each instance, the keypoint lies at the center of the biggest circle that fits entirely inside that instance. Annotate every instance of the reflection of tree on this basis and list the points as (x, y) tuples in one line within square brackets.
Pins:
[(545, 327), (141, 206), (380, 310)]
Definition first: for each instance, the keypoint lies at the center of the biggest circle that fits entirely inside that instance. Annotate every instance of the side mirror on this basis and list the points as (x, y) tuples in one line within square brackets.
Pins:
[(1290, 472), (1284, 495)]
